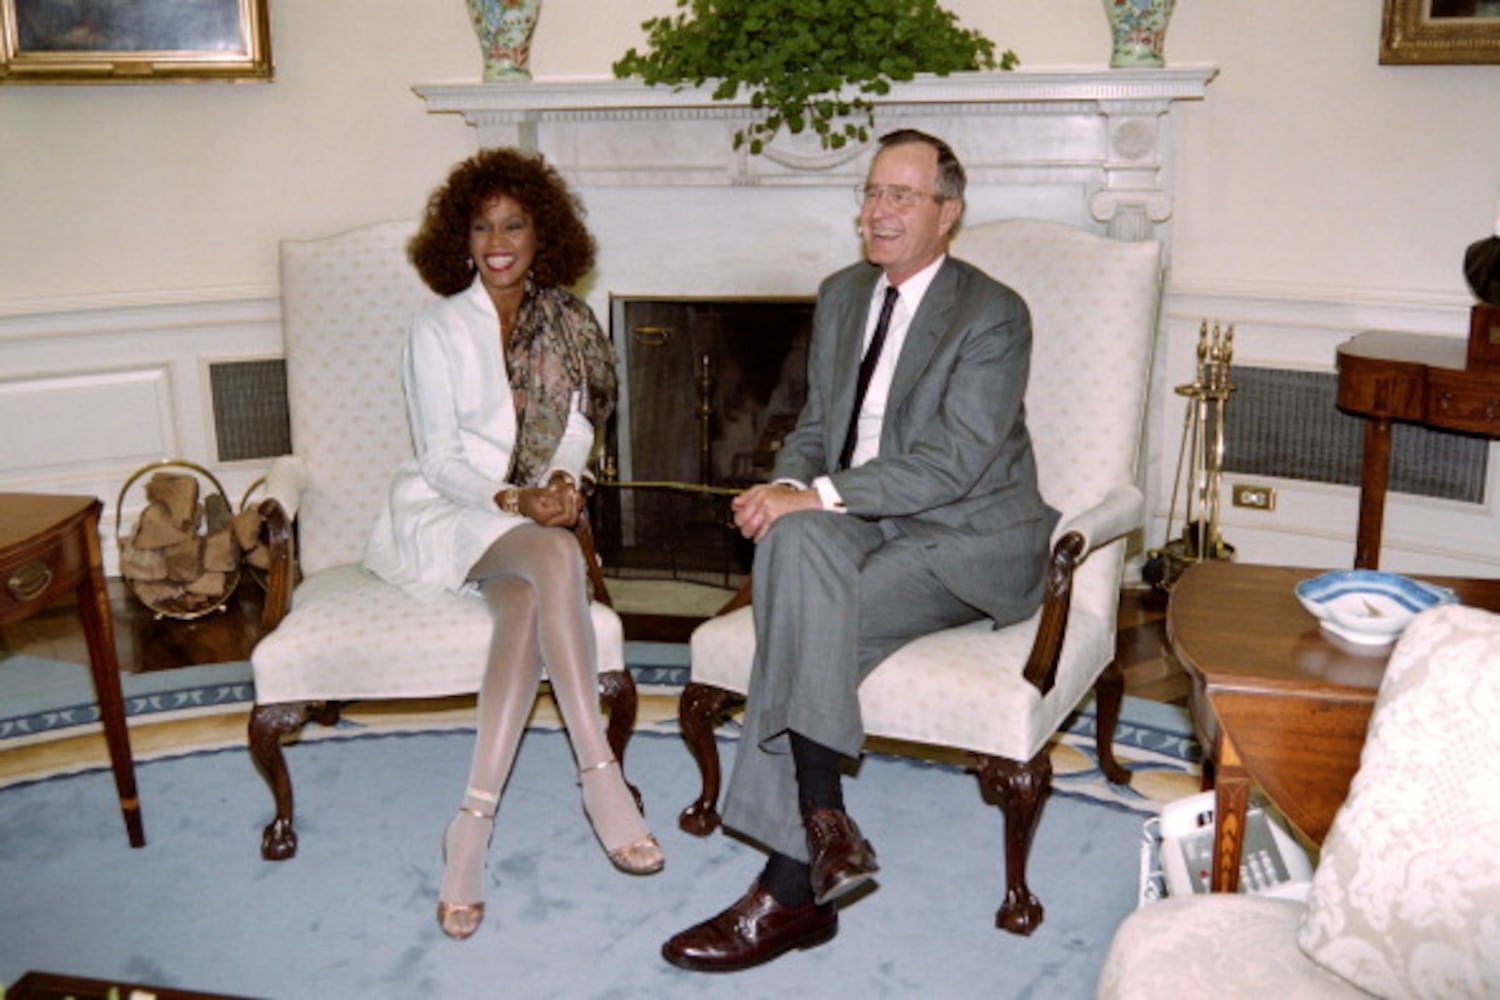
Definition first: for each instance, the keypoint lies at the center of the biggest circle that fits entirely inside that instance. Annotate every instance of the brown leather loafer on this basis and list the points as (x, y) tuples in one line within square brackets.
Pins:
[(841, 859), (753, 931)]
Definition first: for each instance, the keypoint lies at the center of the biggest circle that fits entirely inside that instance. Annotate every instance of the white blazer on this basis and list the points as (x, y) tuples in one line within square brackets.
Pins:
[(440, 514)]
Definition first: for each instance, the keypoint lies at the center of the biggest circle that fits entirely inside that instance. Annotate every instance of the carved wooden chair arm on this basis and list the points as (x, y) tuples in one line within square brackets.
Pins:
[(1057, 600), (1118, 513), (280, 540), (739, 599), (583, 530)]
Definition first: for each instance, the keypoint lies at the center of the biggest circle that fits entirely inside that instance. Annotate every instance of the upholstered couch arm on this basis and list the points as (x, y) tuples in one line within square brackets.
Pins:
[(284, 485), (285, 482), (1118, 513)]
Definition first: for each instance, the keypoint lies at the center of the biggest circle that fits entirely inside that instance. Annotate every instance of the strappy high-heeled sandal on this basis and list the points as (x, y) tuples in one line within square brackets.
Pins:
[(642, 856), (461, 919)]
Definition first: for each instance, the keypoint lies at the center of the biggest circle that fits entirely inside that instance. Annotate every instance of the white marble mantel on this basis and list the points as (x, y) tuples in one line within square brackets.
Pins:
[(1089, 146)]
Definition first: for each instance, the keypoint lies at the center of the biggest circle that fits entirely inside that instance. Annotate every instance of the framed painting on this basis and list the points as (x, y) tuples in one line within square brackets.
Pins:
[(1440, 32), (134, 41)]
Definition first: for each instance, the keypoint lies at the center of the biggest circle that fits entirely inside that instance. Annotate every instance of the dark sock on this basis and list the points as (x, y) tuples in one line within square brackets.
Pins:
[(819, 779), (787, 880)]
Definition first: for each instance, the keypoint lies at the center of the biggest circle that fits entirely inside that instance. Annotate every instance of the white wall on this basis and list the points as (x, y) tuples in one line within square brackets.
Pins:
[(110, 192), (1312, 182), (1311, 168)]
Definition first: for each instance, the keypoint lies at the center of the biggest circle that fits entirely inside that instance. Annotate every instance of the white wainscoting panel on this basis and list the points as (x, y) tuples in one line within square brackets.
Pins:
[(1314, 524), (92, 391), (52, 441), (87, 396)]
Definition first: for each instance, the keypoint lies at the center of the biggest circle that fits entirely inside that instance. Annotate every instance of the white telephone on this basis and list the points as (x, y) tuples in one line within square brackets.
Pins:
[(1271, 864)]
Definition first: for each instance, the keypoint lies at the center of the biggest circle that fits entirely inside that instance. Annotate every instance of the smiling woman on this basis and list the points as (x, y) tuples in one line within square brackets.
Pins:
[(105, 41)]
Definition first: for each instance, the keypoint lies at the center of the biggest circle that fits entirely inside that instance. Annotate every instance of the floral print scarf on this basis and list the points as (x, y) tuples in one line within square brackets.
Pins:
[(557, 349)]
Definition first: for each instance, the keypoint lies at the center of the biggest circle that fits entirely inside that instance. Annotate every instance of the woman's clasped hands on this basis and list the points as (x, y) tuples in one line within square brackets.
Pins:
[(557, 504)]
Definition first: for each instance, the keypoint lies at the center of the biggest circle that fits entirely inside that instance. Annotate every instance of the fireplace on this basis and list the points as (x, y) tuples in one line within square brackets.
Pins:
[(709, 388)]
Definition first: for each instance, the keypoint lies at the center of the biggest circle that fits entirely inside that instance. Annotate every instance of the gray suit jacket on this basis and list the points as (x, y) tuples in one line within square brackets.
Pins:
[(955, 467)]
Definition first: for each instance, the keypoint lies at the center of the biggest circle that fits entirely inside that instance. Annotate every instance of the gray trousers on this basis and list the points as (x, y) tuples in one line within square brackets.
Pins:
[(834, 595)]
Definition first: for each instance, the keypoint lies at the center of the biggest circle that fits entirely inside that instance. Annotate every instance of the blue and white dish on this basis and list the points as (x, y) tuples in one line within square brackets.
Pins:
[(1367, 606)]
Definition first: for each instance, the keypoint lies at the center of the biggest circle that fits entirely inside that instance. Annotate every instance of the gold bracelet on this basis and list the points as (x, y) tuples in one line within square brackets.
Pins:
[(510, 500)]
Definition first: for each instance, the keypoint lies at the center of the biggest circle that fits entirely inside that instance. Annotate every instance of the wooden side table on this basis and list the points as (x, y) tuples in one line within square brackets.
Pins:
[(49, 547), (1416, 378), (51, 986), (1277, 702)]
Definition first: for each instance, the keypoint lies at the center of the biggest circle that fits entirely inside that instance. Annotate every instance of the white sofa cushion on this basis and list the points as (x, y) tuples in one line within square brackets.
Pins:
[(1406, 897)]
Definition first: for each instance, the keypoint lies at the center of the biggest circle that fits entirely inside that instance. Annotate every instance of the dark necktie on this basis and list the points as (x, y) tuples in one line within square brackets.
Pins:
[(866, 369)]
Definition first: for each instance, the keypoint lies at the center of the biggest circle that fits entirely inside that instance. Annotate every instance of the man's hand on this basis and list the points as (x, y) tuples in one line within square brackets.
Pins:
[(756, 509)]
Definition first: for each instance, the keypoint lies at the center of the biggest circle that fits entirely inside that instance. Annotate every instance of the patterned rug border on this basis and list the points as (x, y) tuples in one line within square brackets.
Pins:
[(1081, 782), (1155, 741), (152, 695)]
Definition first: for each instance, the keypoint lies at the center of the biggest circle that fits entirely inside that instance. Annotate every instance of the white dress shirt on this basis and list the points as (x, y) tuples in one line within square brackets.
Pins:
[(872, 413)]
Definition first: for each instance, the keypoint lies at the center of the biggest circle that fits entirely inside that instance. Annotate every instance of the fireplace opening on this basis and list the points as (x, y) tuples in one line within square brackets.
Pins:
[(709, 389)]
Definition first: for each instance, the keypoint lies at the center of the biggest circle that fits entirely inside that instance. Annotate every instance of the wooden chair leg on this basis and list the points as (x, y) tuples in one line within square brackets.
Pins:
[(1019, 790), (1109, 694), (618, 695), (699, 711), (269, 724)]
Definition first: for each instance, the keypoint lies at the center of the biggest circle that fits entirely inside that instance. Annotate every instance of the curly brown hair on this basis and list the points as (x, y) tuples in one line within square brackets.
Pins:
[(440, 250)]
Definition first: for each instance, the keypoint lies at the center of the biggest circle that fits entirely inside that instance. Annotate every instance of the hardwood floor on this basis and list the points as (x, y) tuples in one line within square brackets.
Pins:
[(146, 643), (1151, 671)]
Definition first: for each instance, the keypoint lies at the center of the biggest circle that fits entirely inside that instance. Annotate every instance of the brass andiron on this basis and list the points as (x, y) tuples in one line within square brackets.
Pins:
[(1203, 435)]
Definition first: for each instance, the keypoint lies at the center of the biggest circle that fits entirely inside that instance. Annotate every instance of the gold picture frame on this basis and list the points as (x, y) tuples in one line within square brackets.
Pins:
[(1440, 32), (134, 41)]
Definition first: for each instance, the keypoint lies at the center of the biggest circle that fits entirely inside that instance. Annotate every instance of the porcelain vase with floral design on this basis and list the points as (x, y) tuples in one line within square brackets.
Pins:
[(504, 29), (1140, 31)]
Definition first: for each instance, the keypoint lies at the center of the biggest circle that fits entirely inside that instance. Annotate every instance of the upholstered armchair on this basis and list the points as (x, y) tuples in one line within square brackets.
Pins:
[(1001, 694), (344, 634), (1405, 899)]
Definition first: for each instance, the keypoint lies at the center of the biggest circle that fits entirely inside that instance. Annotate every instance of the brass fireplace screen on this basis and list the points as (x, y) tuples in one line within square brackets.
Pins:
[(709, 388)]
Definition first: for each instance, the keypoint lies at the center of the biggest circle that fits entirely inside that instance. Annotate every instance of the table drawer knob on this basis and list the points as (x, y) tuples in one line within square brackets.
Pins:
[(29, 580)]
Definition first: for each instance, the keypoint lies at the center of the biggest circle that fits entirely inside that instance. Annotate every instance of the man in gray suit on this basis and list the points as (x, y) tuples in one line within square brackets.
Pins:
[(905, 501)]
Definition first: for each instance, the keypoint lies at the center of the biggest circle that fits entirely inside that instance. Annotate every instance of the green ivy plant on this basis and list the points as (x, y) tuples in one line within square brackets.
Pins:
[(807, 63)]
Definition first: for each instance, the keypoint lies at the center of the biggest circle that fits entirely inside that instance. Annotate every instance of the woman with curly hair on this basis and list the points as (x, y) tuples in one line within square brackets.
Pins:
[(506, 378)]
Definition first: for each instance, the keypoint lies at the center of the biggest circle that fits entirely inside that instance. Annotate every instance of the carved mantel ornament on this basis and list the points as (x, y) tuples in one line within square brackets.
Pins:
[(1104, 134)]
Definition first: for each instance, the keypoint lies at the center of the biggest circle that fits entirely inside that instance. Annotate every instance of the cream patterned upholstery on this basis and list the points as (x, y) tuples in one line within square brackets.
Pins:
[(346, 305), (1094, 308), (1405, 900), (388, 644), (1406, 897), (1093, 305), (1224, 946)]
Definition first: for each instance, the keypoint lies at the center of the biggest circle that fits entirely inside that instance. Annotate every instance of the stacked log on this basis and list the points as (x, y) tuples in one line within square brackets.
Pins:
[(184, 556)]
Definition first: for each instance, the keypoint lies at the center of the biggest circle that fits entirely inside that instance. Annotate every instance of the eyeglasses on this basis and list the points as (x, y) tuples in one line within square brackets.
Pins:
[(899, 197)]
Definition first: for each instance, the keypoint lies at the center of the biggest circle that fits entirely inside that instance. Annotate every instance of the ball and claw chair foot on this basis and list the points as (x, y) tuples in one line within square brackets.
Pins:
[(699, 710), (278, 841), (1021, 913)]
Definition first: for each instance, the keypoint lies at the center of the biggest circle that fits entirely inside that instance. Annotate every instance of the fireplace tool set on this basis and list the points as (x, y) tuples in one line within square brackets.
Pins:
[(1203, 451)]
